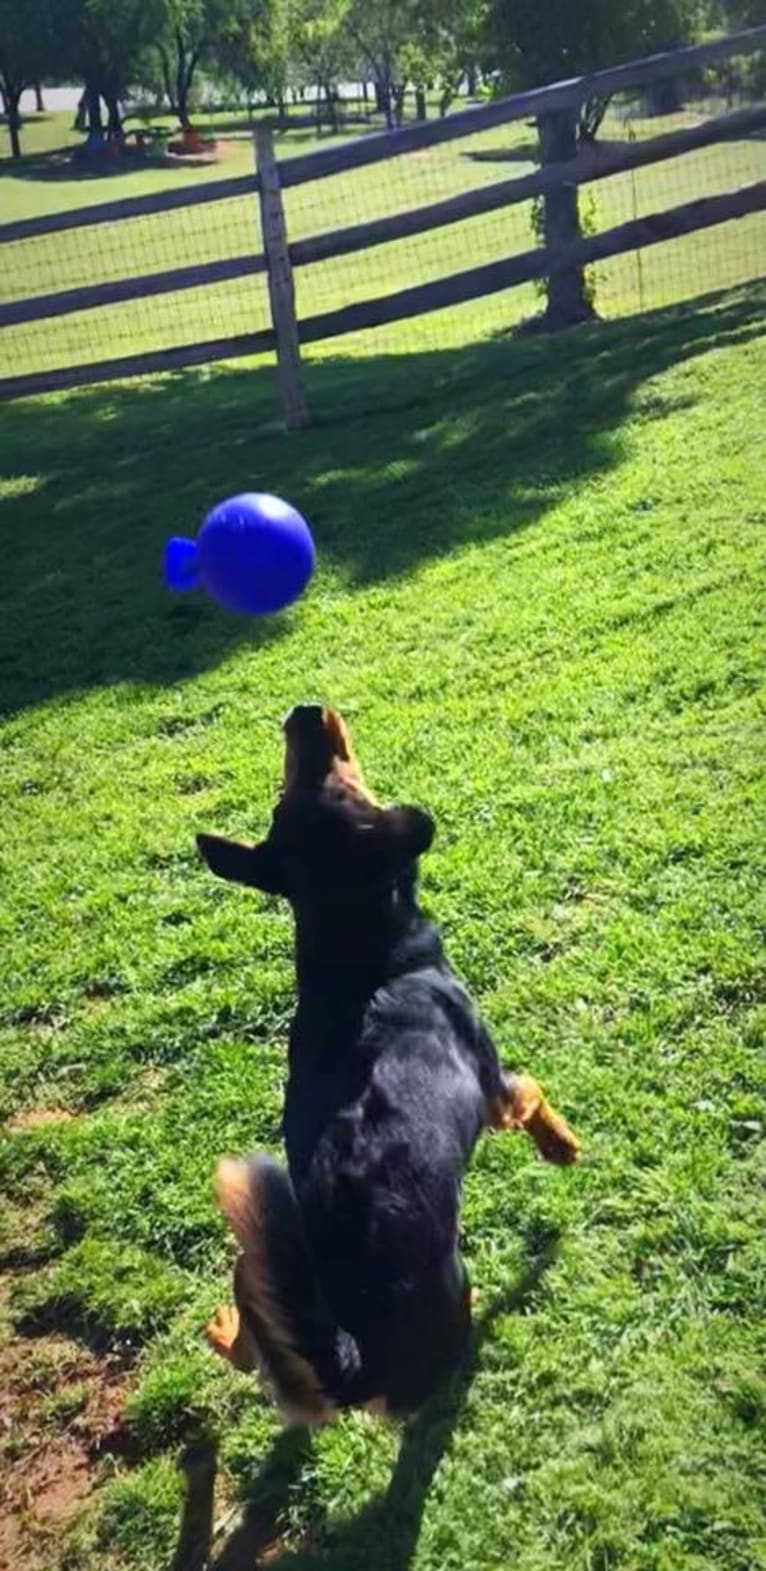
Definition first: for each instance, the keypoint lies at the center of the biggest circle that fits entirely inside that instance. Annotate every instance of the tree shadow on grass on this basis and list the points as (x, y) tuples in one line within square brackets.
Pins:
[(54, 164), (408, 458), (384, 1536), (519, 153), (68, 163)]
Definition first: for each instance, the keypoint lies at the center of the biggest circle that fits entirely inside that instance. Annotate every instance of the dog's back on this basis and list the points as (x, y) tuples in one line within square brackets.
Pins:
[(378, 1129)]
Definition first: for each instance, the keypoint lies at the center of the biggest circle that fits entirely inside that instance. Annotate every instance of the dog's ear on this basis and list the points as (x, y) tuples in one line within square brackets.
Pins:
[(406, 833), (258, 866)]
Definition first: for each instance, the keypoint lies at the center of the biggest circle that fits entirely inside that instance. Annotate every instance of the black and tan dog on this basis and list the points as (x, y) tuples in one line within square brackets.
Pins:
[(349, 1287)]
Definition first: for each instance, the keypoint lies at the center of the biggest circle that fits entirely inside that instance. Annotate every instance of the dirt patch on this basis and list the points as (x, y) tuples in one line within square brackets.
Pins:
[(60, 1416), (35, 1117)]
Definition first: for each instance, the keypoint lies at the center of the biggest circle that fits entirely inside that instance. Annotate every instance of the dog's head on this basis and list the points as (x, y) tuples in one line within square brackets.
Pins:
[(329, 838)]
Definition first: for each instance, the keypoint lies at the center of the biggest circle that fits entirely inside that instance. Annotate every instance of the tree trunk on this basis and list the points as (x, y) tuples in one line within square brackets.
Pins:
[(182, 83), (449, 89), (421, 104), (12, 97), (567, 295), (591, 115), (166, 79), (383, 96), (114, 118), (665, 97), (472, 80), (39, 100), (93, 104), (398, 98), (388, 98)]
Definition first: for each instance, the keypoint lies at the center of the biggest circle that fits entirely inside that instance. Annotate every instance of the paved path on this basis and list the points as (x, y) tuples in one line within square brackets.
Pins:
[(58, 98)]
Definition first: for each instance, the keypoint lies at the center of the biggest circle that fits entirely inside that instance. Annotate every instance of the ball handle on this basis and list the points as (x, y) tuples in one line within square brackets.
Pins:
[(180, 564)]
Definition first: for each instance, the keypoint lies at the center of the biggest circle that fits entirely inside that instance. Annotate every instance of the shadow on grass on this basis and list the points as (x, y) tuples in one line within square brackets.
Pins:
[(384, 1536), (70, 163), (409, 457), (519, 153), (257, 1526)]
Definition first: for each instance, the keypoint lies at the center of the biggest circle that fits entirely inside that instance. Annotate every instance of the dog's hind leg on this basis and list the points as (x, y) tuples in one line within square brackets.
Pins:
[(281, 1324), (229, 1338)]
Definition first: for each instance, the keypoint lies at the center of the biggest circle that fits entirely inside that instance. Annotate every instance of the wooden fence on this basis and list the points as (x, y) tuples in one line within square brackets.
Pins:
[(280, 257)]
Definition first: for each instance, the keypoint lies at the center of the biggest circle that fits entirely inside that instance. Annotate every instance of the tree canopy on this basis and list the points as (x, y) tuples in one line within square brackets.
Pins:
[(538, 41), (26, 51), (268, 46)]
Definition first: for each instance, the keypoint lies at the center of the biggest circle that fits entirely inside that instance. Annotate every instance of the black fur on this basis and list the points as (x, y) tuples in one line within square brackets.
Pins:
[(391, 1074)]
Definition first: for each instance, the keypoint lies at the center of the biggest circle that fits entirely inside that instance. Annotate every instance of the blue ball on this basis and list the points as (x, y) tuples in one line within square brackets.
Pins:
[(254, 554)]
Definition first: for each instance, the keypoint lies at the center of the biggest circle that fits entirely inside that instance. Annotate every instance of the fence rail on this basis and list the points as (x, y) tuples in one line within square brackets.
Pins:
[(147, 364), (495, 276), (128, 207), (409, 139), (590, 165), (37, 308), (280, 256)]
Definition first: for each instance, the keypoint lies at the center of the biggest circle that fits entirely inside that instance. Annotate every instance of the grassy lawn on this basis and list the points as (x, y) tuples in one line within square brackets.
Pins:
[(539, 603)]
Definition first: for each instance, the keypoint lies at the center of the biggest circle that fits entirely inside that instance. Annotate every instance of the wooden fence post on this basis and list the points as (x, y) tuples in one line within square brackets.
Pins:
[(281, 288)]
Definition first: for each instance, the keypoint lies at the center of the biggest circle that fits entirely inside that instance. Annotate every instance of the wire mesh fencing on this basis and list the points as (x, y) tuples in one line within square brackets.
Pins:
[(472, 171), (717, 258), (150, 247)]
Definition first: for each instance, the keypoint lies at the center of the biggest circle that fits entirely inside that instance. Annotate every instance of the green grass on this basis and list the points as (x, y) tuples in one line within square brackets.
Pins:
[(539, 604)]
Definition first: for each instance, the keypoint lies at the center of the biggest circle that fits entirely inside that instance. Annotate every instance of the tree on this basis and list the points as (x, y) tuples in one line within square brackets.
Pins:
[(542, 41), (385, 33), (741, 13), (101, 42), (454, 38), (255, 51), (194, 33), (417, 43), (25, 55), (747, 75), (322, 49)]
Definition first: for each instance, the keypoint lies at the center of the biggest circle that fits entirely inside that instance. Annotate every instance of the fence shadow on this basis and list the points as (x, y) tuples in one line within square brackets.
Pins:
[(384, 1536), (409, 456)]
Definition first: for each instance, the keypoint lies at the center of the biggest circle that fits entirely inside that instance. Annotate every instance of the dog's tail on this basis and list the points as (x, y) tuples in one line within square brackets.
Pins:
[(284, 1326)]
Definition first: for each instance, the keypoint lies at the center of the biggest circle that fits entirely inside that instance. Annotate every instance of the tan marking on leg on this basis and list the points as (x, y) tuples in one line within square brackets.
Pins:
[(263, 1328), (377, 1407), (522, 1105), (234, 1196), (228, 1338)]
